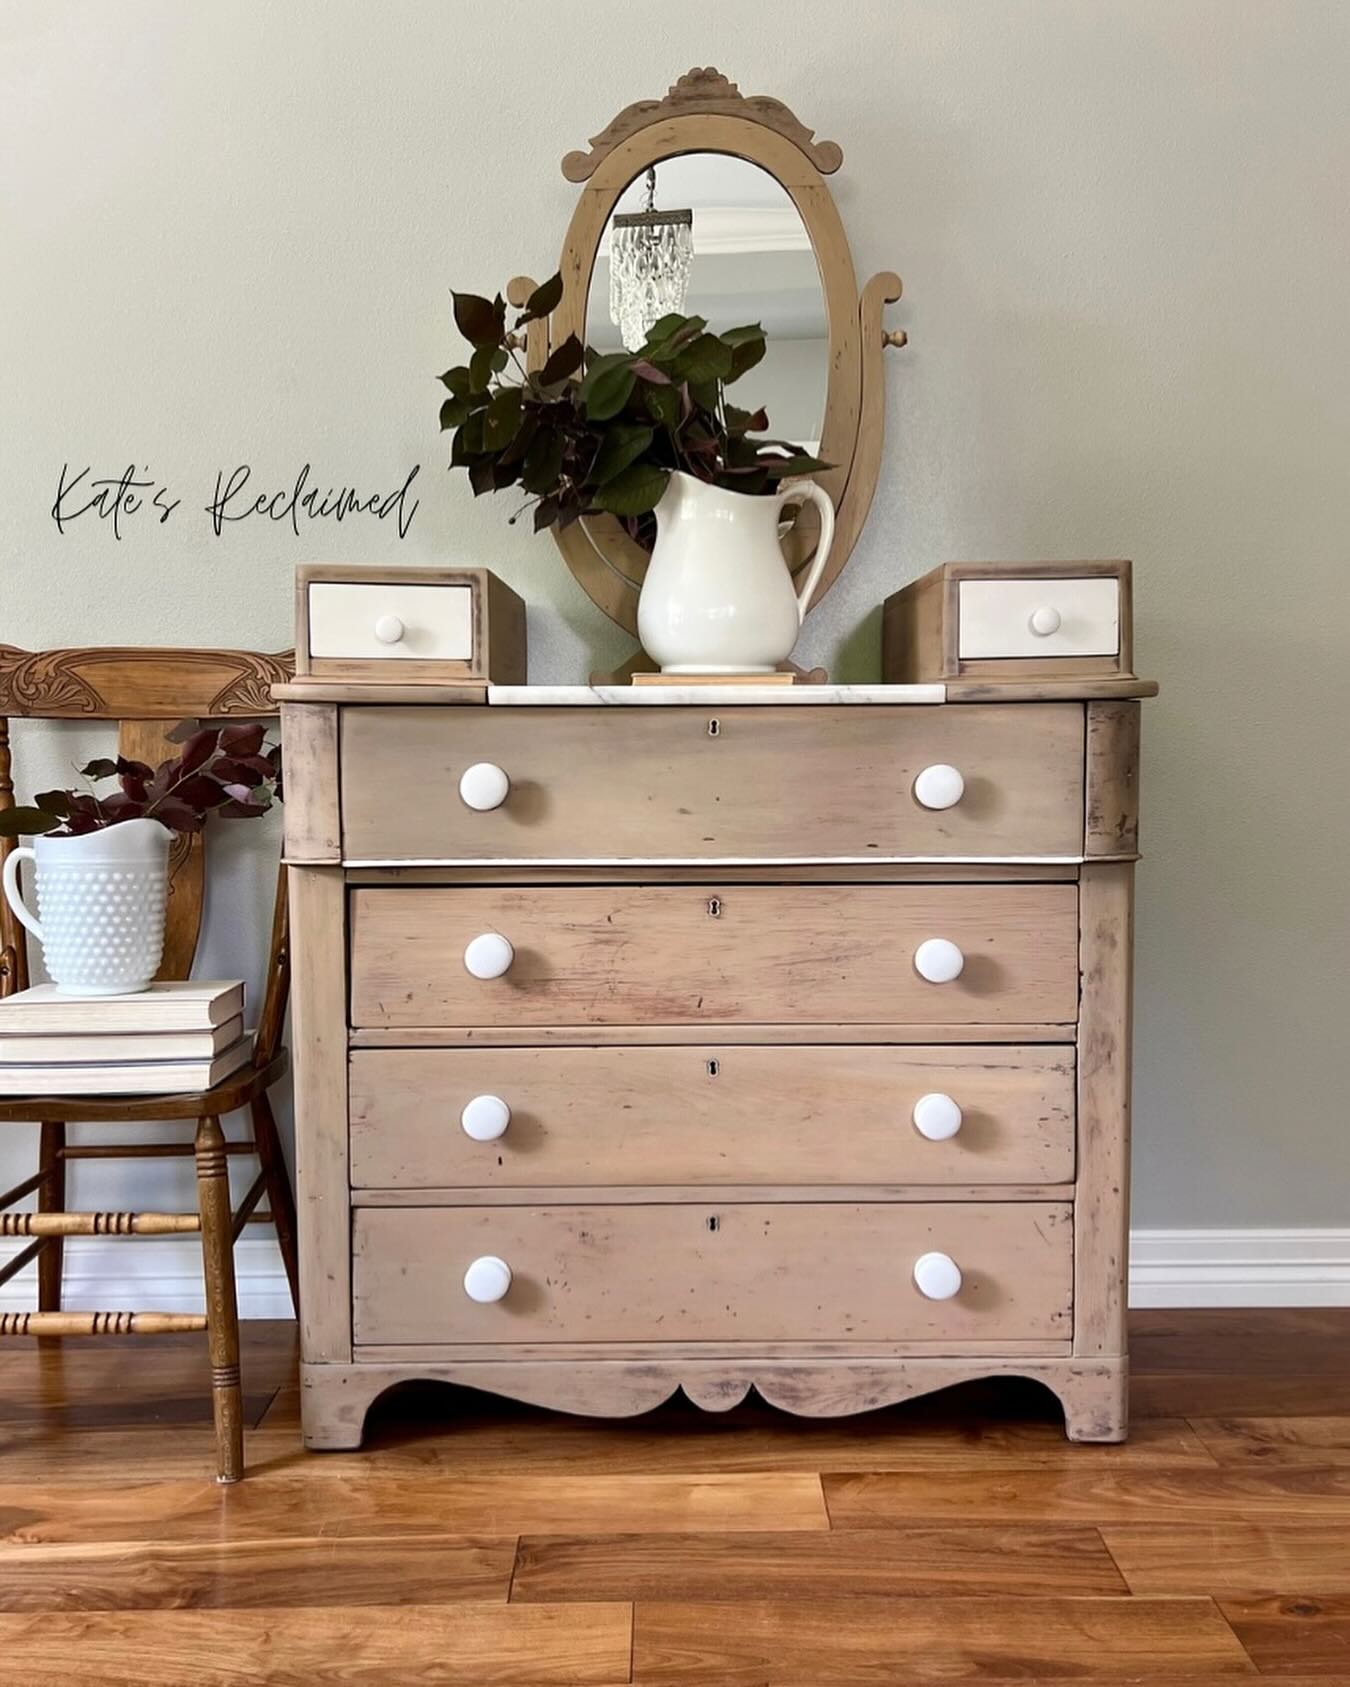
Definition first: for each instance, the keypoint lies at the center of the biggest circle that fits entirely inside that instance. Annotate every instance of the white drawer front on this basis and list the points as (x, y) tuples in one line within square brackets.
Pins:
[(421, 623), (1039, 617)]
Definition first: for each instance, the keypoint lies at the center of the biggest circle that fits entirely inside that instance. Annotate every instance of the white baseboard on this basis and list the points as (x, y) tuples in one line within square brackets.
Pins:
[(1167, 1268), (160, 1274), (1240, 1268)]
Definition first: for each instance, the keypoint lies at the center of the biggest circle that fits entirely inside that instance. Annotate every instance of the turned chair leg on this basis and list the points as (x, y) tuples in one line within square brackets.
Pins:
[(279, 1197), (51, 1199), (222, 1311)]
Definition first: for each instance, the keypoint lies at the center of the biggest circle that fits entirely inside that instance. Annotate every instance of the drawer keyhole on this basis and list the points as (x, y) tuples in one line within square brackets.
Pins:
[(714, 727), (715, 907), (712, 1067)]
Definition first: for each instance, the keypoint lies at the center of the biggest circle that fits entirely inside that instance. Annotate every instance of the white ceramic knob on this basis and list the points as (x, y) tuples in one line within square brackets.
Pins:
[(389, 629), (1044, 620), (936, 1276), (488, 955), (483, 786), (489, 1279), (939, 786), (938, 960), (485, 1118), (936, 1116)]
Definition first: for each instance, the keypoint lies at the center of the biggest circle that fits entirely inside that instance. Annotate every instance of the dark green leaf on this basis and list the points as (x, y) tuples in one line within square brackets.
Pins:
[(453, 412), (27, 822), (750, 481), (609, 392), (662, 404), (705, 395), (668, 335), (664, 327), (471, 434), (745, 421), (53, 802), (598, 367), (543, 463), (635, 491), (524, 437), (457, 379), (783, 468), (545, 513), (621, 445), (476, 319), (503, 418), (481, 367), (704, 359), (562, 361), (745, 357), (543, 301)]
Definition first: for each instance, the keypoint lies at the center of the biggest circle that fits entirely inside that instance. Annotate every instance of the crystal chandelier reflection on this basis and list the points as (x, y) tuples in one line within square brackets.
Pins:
[(650, 255)]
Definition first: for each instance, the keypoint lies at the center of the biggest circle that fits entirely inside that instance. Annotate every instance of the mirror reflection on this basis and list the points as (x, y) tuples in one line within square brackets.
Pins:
[(714, 236)]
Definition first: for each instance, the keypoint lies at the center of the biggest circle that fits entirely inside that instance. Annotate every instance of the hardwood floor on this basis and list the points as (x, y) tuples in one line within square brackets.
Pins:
[(477, 1542)]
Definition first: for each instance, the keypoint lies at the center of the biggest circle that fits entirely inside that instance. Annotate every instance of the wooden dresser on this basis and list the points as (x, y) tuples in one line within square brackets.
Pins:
[(732, 1039)]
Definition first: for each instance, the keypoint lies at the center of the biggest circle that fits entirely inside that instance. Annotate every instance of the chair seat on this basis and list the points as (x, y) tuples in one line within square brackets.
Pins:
[(235, 1091)]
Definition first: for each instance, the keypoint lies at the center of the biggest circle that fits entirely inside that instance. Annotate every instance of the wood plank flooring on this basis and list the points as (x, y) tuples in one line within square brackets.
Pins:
[(478, 1542)]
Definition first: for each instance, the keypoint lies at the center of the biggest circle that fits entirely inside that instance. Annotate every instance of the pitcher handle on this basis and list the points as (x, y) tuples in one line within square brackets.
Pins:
[(13, 895), (807, 491)]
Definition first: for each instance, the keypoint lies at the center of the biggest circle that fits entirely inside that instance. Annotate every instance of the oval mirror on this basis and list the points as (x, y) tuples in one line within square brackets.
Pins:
[(735, 189), (735, 250)]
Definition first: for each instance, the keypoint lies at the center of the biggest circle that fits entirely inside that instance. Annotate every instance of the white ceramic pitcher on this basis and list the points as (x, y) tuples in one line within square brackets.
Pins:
[(101, 899), (718, 597)]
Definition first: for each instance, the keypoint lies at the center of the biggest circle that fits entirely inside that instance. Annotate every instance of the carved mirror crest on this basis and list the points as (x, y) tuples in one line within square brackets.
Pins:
[(767, 246)]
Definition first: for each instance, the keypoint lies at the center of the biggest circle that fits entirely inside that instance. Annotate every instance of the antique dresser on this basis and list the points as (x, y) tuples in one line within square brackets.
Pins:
[(712, 1039)]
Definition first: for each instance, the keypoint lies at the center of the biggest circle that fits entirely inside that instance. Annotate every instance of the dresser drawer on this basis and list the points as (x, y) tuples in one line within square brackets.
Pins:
[(689, 784), (1051, 617), (388, 621), (734, 954), (710, 1116), (745, 1273)]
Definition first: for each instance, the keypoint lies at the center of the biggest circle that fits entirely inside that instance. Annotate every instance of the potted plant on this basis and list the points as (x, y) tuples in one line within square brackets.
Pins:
[(102, 861), (651, 438)]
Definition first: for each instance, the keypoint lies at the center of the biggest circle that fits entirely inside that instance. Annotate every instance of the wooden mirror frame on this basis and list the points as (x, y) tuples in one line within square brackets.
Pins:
[(704, 112)]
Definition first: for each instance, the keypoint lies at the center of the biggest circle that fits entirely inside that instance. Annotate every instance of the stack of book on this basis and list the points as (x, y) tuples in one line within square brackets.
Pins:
[(163, 1040)]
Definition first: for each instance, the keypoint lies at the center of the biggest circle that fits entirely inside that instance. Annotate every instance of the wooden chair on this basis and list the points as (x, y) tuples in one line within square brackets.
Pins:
[(147, 692)]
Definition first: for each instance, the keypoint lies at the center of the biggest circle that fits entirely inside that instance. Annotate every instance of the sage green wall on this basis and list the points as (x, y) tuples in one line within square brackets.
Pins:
[(231, 229)]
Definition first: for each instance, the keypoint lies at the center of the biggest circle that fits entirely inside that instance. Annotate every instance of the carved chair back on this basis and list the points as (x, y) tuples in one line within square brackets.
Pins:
[(146, 692)]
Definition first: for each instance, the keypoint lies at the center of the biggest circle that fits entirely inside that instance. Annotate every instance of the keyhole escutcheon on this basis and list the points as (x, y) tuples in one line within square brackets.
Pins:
[(715, 907)]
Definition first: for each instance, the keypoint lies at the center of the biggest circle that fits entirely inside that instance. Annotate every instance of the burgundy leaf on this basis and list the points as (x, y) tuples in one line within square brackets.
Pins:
[(231, 771), (199, 790), (120, 806), (198, 748), (178, 817), (244, 739), (99, 768)]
